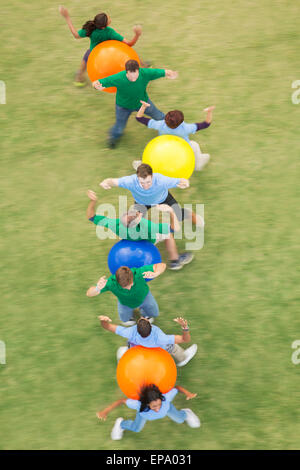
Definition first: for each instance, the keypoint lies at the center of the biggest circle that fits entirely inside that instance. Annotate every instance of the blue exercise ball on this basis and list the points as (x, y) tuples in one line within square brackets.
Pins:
[(133, 254)]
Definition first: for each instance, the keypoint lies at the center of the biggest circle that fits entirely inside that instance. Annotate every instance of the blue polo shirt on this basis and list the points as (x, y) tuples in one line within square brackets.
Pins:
[(183, 130), (156, 339), (151, 415), (156, 194)]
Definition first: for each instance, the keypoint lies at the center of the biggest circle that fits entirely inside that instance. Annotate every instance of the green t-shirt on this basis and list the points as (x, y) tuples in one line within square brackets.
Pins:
[(100, 35), (130, 93), (135, 296), (145, 230)]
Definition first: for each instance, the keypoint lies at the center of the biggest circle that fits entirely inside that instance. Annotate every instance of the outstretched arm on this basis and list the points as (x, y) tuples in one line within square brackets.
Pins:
[(174, 223), (158, 269), (183, 183), (106, 323), (209, 111), (96, 290), (186, 336), (142, 109), (109, 183), (188, 394), (103, 414), (137, 32), (64, 12), (92, 205)]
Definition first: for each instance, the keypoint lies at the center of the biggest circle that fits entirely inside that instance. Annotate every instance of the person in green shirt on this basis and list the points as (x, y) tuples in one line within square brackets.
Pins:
[(98, 30), (133, 226), (132, 291), (131, 86)]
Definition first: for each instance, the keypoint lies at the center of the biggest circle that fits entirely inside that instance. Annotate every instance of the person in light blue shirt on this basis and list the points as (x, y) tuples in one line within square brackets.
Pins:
[(152, 405), (150, 336), (174, 124)]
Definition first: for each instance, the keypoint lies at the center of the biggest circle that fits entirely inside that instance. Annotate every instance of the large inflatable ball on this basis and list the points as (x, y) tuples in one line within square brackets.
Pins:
[(141, 366), (133, 254), (108, 58), (170, 155)]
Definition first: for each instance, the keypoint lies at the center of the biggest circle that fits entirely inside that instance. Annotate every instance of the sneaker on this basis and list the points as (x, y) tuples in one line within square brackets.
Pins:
[(117, 431), (201, 161), (189, 354), (136, 164), (121, 351), (130, 322), (175, 265), (111, 144), (150, 319), (79, 84), (192, 420), (186, 258)]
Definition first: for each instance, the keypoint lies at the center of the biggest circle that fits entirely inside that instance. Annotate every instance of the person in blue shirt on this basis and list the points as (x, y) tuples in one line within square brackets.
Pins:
[(149, 189), (150, 336), (174, 124), (152, 405)]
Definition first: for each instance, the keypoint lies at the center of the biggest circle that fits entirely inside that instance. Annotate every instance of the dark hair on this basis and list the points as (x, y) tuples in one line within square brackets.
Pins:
[(131, 66), (148, 394), (99, 22), (144, 328), (124, 276), (174, 118), (144, 170)]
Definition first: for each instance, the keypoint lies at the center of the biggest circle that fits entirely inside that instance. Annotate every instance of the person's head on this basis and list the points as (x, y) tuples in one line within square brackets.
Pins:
[(151, 398), (124, 277), (132, 70), (131, 218), (174, 118), (144, 174), (101, 21), (144, 327)]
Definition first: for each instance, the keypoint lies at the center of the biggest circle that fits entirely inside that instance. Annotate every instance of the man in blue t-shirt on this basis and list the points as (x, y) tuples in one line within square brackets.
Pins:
[(174, 124), (150, 336)]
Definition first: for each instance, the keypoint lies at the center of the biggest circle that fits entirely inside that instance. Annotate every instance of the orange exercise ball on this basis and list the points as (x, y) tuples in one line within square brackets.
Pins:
[(143, 366), (108, 58)]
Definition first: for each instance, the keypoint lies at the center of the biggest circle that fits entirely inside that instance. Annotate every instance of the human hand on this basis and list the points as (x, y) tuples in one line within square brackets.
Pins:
[(183, 183), (63, 11), (92, 195), (190, 396), (182, 322), (97, 85), (102, 282), (104, 318), (105, 185), (137, 30), (210, 108), (164, 208), (145, 104), (101, 415), (171, 74), (149, 275)]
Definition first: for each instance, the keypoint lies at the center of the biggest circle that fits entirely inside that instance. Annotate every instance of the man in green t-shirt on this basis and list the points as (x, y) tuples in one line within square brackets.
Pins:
[(133, 226), (132, 291), (131, 87)]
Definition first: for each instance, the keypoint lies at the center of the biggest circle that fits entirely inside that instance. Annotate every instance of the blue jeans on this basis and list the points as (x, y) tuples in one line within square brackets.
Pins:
[(148, 308), (122, 115), (137, 425)]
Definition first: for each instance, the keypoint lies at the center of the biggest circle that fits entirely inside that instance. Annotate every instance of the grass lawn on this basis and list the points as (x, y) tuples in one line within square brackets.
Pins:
[(241, 292)]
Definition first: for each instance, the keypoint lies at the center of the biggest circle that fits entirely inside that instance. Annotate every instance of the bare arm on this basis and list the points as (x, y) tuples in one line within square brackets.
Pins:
[(96, 290), (106, 324), (186, 336), (209, 111), (109, 183), (174, 223), (137, 32), (158, 269), (142, 109), (64, 12), (92, 205), (188, 394), (103, 414), (183, 183)]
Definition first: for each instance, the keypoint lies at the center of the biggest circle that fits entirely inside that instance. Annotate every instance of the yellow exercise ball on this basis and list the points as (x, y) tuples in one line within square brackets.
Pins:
[(170, 155)]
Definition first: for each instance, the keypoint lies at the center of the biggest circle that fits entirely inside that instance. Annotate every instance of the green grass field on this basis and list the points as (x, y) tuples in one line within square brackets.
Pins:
[(240, 294)]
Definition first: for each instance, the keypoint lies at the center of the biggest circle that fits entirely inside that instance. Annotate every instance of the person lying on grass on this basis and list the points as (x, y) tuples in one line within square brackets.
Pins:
[(152, 405), (173, 124), (150, 336), (132, 290), (97, 30), (133, 226)]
